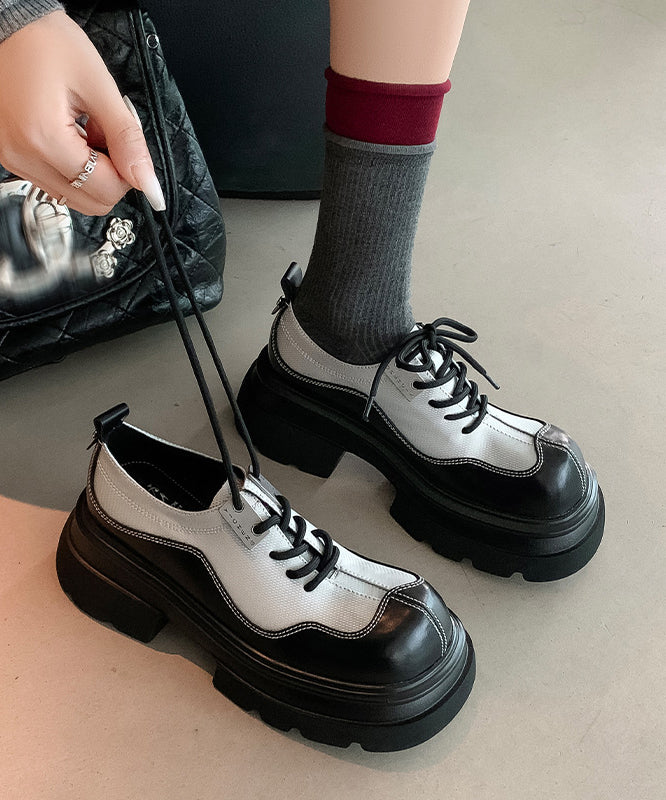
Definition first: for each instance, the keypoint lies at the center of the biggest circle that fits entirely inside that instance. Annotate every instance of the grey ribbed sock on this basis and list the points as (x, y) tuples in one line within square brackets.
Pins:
[(16, 14), (354, 300)]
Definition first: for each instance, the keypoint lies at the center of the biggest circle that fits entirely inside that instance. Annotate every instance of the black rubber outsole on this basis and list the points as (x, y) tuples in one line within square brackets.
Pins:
[(287, 428), (120, 595)]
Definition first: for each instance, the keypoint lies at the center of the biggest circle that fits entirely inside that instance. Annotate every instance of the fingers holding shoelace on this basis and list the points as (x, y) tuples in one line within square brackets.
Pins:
[(114, 125)]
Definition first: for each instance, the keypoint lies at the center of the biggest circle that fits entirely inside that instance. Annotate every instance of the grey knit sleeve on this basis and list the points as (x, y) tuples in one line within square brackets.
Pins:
[(15, 14)]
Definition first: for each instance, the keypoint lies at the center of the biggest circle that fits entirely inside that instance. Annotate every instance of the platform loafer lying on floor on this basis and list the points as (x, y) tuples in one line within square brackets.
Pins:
[(511, 493), (304, 631)]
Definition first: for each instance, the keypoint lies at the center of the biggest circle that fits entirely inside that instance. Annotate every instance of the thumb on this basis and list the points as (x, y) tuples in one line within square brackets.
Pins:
[(126, 145)]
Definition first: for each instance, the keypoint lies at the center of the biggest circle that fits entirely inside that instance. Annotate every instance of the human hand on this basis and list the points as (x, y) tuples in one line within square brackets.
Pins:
[(50, 75)]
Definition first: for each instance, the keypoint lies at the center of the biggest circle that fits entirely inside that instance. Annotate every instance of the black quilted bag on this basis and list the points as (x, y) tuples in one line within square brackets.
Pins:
[(123, 291)]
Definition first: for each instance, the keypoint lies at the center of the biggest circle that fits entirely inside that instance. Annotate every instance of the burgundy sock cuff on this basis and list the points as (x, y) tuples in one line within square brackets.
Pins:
[(383, 113)]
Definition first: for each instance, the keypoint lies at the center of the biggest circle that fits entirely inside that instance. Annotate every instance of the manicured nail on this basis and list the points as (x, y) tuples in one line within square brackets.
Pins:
[(81, 130), (132, 110), (146, 180)]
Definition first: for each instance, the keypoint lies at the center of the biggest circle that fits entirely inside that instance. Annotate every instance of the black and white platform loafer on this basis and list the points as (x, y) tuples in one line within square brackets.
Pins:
[(511, 493), (309, 634)]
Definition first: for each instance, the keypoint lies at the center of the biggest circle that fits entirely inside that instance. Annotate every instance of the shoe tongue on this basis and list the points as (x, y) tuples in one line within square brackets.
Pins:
[(437, 359), (260, 490), (435, 355), (261, 496)]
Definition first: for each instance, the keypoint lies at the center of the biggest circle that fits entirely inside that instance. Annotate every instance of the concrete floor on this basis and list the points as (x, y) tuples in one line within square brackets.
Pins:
[(543, 228)]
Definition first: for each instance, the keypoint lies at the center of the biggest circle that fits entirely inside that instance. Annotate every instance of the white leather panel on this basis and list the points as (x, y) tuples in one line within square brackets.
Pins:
[(271, 602), (503, 441)]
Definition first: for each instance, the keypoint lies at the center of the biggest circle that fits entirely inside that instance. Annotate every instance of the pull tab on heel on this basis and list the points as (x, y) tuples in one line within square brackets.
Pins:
[(109, 420), (290, 284)]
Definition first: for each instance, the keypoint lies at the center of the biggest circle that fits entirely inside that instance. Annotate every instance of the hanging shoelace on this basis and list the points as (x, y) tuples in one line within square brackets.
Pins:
[(440, 337), (324, 563)]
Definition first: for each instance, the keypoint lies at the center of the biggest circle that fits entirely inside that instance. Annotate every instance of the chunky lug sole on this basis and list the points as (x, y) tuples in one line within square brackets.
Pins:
[(113, 584), (291, 427)]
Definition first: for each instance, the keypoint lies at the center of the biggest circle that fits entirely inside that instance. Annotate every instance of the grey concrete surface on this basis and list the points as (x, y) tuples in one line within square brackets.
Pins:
[(543, 228)]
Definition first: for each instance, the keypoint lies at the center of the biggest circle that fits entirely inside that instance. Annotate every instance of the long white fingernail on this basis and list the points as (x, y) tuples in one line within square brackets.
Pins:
[(145, 177), (132, 110)]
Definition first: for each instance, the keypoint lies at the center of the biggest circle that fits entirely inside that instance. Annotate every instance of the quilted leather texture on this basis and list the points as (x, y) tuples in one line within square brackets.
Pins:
[(32, 335)]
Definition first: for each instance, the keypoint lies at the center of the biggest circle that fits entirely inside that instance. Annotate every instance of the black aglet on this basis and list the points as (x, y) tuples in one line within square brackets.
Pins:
[(281, 303), (488, 378)]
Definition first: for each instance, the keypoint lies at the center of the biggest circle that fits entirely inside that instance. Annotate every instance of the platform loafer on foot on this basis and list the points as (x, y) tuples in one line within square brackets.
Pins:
[(309, 634), (511, 493)]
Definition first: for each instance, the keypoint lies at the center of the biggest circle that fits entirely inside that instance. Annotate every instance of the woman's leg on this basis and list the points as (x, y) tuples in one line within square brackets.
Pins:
[(507, 491), (396, 41), (390, 61)]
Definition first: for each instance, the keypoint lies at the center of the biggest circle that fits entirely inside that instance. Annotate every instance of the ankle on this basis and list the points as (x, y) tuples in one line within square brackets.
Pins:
[(355, 341)]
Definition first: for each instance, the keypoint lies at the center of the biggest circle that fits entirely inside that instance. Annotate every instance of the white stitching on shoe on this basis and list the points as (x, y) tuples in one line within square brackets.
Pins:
[(339, 570), (347, 571), (177, 526), (398, 433), (490, 413), (491, 468), (418, 453), (220, 587), (487, 424), (435, 618), (139, 487), (162, 522), (352, 591), (308, 357), (221, 529), (574, 459), (341, 376), (166, 474), (428, 615), (227, 598)]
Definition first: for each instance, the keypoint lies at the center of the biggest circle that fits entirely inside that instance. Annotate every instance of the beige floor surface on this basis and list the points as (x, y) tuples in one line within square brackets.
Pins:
[(543, 228)]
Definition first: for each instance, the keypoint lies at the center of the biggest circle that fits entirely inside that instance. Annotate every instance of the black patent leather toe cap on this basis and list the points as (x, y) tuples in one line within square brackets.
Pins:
[(557, 437), (561, 481), (410, 636), (551, 489), (429, 600)]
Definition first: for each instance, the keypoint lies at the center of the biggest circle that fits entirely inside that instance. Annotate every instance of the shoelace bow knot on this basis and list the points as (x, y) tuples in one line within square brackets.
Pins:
[(440, 337), (324, 562)]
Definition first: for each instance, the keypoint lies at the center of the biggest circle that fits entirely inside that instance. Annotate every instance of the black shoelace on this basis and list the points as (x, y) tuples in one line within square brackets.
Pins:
[(324, 563), (440, 337)]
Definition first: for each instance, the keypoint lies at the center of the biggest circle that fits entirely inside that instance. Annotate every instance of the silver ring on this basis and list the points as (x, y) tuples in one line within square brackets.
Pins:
[(86, 172)]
